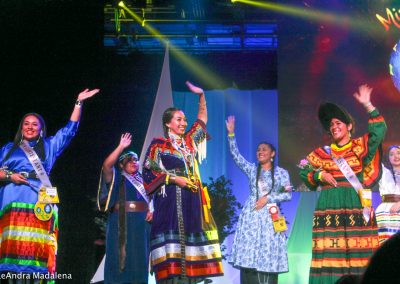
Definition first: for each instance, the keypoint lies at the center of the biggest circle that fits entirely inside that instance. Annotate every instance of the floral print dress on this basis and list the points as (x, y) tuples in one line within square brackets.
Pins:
[(256, 245)]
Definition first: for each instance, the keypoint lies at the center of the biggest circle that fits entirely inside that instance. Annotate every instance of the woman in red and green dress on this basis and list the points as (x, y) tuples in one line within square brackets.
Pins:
[(343, 238)]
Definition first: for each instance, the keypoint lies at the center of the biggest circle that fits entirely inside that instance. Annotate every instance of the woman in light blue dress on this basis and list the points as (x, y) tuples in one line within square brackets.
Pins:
[(258, 251)]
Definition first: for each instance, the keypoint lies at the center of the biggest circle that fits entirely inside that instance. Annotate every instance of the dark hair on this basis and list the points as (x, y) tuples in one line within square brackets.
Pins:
[(384, 263), (39, 147), (348, 279), (166, 118), (388, 160), (272, 169)]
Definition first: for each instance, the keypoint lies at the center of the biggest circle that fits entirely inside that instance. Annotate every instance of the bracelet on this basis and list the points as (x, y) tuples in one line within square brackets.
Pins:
[(319, 175), (167, 180), (8, 176), (367, 104), (78, 103), (231, 134)]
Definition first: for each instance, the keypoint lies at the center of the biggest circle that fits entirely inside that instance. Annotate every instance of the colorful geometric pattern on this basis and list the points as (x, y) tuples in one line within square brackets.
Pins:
[(202, 255), (26, 241), (388, 224)]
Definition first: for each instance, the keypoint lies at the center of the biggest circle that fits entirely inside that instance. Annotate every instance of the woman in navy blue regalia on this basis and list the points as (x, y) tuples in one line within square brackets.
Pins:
[(121, 193), (184, 237)]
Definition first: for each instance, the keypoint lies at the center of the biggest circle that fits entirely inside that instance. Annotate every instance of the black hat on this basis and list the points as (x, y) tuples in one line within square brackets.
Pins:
[(327, 111)]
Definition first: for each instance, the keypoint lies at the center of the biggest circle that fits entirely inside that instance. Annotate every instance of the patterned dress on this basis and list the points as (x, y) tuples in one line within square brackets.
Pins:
[(388, 223), (184, 237), (342, 240), (137, 234), (27, 244), (256, 245)]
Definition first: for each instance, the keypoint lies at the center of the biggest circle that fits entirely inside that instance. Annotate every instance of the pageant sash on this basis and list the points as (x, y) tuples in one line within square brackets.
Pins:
[(47, 193), (364, 194), (36, 164), (137, 181)]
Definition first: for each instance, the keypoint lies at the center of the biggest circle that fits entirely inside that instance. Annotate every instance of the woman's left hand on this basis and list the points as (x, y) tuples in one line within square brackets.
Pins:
[(149, 216), (85, 94), (194, 89), (261, 202), (363, 96), (395, 207)]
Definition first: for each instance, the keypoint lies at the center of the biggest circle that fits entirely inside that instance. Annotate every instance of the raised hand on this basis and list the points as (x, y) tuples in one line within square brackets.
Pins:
[(363, 96), (194, 89), (230, 124), (85, 94), (126, 140)]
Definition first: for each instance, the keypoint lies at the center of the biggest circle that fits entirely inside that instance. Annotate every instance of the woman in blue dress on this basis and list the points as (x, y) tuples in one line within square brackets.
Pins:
[(121, 193), (258, 251), (29, 244)]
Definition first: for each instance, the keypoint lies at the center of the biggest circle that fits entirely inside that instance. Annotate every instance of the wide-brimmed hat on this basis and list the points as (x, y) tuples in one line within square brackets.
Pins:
[(127, 154), (328, 111)]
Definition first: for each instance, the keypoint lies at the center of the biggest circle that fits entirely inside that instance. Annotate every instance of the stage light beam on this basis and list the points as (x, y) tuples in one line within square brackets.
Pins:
[(317, 15), (208, 77)]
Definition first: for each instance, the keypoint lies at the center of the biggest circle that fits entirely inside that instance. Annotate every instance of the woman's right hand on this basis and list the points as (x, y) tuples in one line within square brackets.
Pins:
[(363, 95), (395, 208), (328, 178), (126, 140), (18, 179), (183, 182), (230, 124)]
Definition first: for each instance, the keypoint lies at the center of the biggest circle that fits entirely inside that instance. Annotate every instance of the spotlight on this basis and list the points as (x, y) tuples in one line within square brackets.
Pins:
[(233, 1), (121, 4)]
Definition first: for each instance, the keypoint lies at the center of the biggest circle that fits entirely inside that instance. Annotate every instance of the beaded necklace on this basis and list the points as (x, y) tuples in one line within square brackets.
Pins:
[(188, 157)]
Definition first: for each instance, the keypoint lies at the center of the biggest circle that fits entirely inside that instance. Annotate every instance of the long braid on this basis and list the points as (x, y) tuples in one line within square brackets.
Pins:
[(257, 177), (272, 163), (393, 174), (273, 174)]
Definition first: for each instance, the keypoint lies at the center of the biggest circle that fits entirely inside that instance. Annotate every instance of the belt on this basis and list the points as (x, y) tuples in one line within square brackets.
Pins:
[(390, 198), (178, 172), (32, 175), (132, 206)]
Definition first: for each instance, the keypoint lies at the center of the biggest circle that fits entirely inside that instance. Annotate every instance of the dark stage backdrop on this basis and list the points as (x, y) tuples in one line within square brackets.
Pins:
[(50, 51)]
